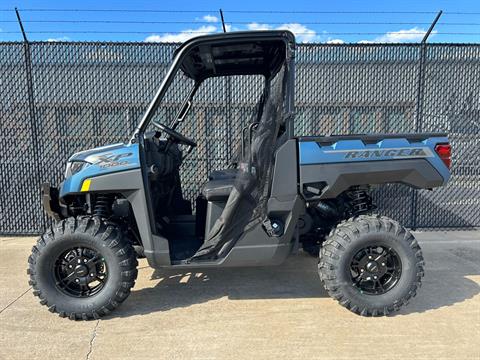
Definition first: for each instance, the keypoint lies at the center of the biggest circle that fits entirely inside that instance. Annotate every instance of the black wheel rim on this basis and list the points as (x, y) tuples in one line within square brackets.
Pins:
[(375, 269), (80, 272)]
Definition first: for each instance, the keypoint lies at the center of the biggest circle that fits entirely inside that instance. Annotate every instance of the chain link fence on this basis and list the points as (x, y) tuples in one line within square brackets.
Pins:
[(59, 98)]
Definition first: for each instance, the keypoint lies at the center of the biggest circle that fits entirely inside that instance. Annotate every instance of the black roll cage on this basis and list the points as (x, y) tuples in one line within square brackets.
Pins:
[(226, 38)]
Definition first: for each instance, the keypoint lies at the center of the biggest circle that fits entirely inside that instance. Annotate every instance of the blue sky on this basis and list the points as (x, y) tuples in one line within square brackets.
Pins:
[(307, 23)]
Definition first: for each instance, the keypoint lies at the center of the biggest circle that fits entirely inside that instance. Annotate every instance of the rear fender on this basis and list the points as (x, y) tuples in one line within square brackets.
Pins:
[(326, 170)]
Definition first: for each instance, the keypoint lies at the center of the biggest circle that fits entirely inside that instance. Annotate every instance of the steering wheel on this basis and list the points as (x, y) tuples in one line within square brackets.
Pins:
[(179, 138)]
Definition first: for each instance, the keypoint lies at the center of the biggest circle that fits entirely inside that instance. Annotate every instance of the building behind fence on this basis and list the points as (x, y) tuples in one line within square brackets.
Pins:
[(59, 98)]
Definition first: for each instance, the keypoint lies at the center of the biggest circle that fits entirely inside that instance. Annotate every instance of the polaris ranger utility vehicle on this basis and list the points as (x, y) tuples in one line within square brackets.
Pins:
[(281, 192)]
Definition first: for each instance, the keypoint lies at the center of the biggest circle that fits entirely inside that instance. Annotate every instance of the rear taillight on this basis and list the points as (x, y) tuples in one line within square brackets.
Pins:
[(445, 153)]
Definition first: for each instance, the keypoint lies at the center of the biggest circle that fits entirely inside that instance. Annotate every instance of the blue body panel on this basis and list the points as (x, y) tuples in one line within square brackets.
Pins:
[(103, 160), (355, 150)]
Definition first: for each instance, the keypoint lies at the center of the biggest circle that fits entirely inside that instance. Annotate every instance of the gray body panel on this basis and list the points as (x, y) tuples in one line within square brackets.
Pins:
[(130, 184), (338, 177), (285, 172), (214, 211)]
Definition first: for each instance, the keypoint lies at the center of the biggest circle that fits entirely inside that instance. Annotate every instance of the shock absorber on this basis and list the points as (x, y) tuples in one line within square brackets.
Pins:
[(360, 200), (103, 205)]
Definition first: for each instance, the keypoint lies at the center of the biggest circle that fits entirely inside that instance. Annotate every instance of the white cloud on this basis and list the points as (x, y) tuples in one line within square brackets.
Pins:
[(302, 33), (410, 35), (257, 26), (62, 38), (210, 18), (184, 35), (231, 28), (335, 41)]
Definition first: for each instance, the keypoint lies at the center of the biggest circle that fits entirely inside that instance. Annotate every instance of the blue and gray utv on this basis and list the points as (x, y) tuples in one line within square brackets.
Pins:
[(281, 193)]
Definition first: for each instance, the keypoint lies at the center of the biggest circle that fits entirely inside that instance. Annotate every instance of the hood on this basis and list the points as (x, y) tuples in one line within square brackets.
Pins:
[(110, 156), (97, 162)]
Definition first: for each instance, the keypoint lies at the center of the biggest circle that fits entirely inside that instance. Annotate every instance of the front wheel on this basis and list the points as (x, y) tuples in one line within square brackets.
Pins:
[(82, 268), (371, 265)]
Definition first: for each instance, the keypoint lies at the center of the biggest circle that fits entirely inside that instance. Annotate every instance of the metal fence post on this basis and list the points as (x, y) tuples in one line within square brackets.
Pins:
[(419, 107), (31, 108), (418, 123), (421, 74)]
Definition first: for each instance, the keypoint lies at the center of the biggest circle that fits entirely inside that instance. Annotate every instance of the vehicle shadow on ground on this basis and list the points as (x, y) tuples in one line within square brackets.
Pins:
[(297, 278), (446, 280)]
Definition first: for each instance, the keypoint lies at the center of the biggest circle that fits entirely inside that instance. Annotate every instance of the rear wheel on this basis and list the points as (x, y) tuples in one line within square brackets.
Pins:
[(371, 265), (82, 268)]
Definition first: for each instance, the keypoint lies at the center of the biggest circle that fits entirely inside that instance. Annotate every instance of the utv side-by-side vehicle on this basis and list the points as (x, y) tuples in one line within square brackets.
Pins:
[(281, 193)]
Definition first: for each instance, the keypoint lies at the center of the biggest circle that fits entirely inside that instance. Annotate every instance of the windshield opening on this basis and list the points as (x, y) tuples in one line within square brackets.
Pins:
[(221, 107), (177, 93)]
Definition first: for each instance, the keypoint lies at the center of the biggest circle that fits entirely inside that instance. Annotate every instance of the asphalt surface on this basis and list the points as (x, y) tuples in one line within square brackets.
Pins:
[(253, 313)]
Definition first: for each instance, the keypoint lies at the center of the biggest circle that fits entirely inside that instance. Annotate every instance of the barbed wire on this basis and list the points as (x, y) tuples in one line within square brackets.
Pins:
[(215, 22), (206, 32), (236, 22), (242, 11), (111, 10)]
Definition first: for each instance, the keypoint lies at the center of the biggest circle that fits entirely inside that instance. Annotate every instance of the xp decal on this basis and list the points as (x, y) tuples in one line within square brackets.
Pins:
[(111, 160)]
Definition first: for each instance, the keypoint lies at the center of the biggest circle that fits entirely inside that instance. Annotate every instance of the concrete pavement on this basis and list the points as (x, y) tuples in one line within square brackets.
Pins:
[(262, 313)]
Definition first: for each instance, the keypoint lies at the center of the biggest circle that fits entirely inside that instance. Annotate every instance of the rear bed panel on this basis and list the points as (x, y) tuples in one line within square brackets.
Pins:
[(331, 164)]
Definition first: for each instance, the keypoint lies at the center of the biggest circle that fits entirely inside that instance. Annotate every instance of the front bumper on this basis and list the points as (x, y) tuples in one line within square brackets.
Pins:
[(51, 202)]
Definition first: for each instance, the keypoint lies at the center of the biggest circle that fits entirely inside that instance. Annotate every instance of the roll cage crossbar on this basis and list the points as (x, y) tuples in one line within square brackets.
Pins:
[(237, 53)]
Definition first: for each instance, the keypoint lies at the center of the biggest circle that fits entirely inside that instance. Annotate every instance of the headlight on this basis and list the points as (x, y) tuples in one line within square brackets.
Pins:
[(74, 167)]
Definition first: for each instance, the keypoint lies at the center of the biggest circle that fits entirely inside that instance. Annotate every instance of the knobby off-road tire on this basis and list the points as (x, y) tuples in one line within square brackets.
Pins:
[(341, 248), (97, 236)]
